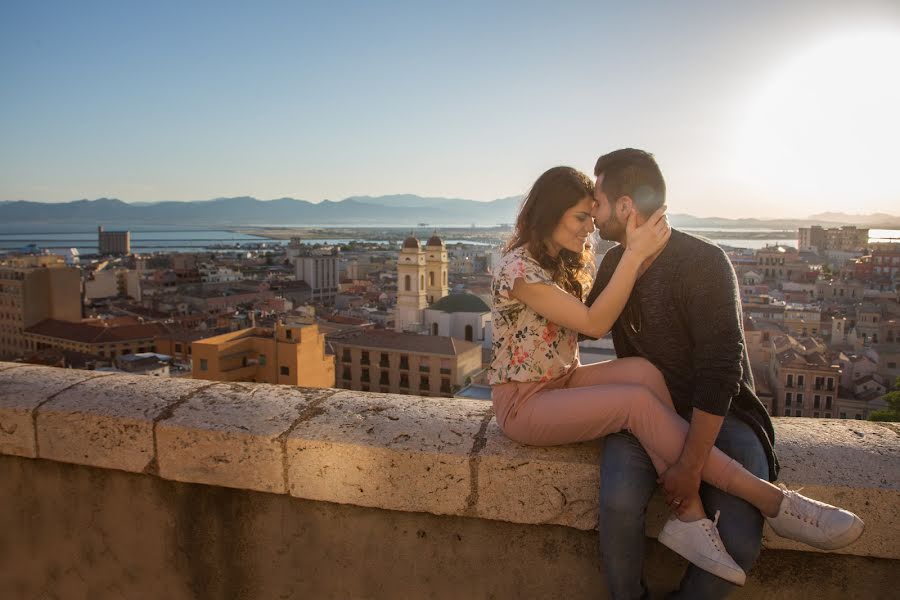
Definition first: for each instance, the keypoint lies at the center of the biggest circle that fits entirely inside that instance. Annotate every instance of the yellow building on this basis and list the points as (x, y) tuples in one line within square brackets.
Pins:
[(293, 354), (32, 289)]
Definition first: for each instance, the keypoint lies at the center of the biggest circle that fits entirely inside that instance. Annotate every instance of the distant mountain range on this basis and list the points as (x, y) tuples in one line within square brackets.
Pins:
[(398, 210)]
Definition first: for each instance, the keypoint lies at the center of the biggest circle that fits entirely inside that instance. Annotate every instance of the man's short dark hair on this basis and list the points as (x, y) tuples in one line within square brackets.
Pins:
[(633, 173)]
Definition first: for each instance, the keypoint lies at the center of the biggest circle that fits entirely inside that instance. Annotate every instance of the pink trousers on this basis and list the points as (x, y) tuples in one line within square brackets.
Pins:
[(593, 401)]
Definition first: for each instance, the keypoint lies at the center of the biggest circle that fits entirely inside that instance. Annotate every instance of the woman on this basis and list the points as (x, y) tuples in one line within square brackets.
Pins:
[(543, 396)]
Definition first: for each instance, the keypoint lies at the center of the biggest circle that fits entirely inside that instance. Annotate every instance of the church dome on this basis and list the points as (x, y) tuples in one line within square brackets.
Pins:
[(466, 303), (411, 242), (435, 241)]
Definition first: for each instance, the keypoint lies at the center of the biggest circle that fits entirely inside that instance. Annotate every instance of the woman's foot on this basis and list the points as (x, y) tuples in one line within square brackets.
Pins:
[(815, 523), (699, 542)]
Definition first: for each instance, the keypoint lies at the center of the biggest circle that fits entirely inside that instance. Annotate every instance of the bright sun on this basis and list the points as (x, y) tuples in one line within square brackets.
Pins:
[(824, 130)]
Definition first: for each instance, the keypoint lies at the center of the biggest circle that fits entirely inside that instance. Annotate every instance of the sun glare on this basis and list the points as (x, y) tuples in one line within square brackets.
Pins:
[(825, 128)]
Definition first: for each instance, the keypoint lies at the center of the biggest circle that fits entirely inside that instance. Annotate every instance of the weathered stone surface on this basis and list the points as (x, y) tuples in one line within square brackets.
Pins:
[(528, 484), (848, 463), (388, 451), (228, 435), (22, 389), (107, 421)]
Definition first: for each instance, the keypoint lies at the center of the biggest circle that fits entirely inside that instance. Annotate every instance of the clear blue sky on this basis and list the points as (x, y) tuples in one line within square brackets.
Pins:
[(148, 101)]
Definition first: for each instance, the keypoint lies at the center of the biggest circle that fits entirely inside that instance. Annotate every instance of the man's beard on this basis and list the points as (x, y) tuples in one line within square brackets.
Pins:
[(612, 230)]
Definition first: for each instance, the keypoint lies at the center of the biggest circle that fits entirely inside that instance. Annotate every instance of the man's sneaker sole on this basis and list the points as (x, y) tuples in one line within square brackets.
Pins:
[(705, 563)]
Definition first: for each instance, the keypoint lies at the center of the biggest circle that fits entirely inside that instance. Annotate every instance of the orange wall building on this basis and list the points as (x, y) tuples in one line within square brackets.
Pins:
[(293, 354)]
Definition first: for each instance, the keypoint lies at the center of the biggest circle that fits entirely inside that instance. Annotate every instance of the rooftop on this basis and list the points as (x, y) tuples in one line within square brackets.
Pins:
[(96, 334), (465, 303), (408, 342)]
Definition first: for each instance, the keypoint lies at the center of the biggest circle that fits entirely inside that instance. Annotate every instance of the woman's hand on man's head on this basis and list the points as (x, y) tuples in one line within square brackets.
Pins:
[(650, 237)]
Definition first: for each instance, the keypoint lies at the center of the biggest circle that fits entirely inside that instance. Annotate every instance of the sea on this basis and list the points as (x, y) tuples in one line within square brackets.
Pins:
[(59, 239)]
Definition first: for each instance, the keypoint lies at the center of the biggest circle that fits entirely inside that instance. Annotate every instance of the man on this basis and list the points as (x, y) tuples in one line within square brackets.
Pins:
[(684, 316)]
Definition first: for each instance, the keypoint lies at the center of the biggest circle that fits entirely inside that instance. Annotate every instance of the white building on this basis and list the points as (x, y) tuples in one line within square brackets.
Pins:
[(318, 268), (462, 316)]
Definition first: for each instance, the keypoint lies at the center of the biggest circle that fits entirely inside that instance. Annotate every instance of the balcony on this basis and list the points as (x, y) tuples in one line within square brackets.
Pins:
[(225, 487)]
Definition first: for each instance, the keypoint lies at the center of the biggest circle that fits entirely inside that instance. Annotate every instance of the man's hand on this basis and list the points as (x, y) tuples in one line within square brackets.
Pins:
[(680, 482)]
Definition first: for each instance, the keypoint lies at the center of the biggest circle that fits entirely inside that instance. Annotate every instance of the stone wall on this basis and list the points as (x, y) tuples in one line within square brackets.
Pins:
[(132, 486)]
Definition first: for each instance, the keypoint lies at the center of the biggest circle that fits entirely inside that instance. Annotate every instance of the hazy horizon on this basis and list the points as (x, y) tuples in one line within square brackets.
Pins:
[(769, 110)]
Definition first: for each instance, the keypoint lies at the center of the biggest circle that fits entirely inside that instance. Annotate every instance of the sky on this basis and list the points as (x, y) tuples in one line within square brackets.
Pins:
[(763, 109)]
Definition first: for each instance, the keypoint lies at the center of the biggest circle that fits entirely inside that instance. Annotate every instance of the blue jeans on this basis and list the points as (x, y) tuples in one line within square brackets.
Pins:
[(629, 480)]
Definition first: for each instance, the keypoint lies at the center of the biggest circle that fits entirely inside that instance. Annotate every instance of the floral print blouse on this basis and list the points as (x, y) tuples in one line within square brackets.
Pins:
[(526, 346)]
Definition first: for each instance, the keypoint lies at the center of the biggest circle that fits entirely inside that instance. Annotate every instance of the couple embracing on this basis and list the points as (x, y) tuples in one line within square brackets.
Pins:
[(677, 408)]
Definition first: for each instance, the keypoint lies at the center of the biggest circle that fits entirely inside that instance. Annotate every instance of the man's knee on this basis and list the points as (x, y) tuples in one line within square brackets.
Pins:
[(627, 478)]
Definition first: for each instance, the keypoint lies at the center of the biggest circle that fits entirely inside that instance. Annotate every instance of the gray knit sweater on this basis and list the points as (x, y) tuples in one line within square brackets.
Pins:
[(684, 316)]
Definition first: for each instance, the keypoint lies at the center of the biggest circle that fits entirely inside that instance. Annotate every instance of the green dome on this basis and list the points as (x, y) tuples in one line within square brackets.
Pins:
[(454, 303)]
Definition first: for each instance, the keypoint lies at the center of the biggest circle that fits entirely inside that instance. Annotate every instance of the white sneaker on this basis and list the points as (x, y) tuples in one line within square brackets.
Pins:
[(699, 542), (815, 523)]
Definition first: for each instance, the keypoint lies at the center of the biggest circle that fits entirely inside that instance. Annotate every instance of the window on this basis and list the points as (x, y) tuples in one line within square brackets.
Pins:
[(787, 412), (817, 401), (285, 370), (203, 364), (421, 281), (445, 385), (820, 383), (383, 380), (830, 383), (798, 413), (365, 388), (468, 333), (177, 347), (828, 402), (843, 415), (434, 329), (827, 415), (262, 360), (424, 365), (858, 417), (385, 361), (364, 376), (345, 355), (430, 277), (799, 398), (404, 362), (345, 373), (404, 381), (364, 360), (790, 380), (423, 382), (788, 397), (289, 333), (800, 381), (406, 283), (816, 415)]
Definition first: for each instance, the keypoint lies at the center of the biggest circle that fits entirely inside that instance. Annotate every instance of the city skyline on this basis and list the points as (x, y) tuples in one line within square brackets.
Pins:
[(753, 111)]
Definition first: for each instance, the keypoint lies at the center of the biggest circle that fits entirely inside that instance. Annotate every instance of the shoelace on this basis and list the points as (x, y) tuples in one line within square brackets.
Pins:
[(711, 528), (812, 517)]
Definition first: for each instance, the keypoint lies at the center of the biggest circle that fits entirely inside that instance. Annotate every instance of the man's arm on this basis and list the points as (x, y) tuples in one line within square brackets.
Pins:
[(713, 313)]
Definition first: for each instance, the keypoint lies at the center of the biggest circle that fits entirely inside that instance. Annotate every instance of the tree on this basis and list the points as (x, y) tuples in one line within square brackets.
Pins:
[(892, 412)]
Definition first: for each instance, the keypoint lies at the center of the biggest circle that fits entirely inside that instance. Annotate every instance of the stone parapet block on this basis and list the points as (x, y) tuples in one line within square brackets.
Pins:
[(107, 421), (232, 435), (388, 451)]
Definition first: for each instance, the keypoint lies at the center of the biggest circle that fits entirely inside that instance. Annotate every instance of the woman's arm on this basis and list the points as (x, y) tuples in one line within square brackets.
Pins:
[(564, 309)]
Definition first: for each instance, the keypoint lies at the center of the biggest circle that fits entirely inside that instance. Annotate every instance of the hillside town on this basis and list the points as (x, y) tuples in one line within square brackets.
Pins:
[(821, 320)]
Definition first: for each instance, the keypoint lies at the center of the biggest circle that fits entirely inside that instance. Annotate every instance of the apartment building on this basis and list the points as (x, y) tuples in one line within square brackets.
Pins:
[(886, 260), (95, 338), (803, 378), (113, 242), (802, 319), (111, 283), (844, 239), (34, 288), (291, 354), (404, 363)]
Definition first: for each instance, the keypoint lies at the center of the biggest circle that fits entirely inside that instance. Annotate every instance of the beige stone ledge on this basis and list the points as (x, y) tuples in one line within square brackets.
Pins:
[(439, 456)]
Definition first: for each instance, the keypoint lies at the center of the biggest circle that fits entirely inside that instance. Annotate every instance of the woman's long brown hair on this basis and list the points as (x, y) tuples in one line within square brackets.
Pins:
[(555, 191)]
